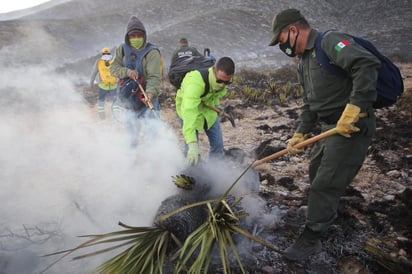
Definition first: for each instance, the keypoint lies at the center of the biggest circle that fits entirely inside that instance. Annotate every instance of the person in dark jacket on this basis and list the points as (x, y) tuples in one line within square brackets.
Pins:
[(184, 51), (137, 64), (343, 103)]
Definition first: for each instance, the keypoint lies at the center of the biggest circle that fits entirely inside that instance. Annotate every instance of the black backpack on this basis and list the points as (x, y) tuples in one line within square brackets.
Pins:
[(178, 70), (389, 86)]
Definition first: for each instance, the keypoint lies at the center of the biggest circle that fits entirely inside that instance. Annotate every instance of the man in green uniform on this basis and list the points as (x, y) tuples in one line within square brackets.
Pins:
[(332, 101), (192, 101)]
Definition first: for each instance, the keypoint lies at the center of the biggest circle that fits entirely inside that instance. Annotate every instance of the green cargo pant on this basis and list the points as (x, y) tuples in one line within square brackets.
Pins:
[(334, 162)]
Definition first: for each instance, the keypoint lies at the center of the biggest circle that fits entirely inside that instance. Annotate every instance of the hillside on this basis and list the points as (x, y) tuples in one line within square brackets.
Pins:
[(65, 174), (76, 30)]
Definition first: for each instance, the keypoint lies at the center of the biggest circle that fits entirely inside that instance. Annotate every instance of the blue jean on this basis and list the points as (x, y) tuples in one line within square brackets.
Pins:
[(107, 93), (215, 137), (144, 115), (145, 112)]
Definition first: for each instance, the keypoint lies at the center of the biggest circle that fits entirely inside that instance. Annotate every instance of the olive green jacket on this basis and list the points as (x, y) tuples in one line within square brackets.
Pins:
[(151, 69), (191, 101), (325, 94)]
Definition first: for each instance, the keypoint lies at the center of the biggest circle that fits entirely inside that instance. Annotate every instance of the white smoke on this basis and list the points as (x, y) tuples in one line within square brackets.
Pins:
[(63, 174)]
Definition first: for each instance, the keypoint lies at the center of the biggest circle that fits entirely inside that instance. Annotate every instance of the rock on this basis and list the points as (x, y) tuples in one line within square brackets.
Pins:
[(393, 173)]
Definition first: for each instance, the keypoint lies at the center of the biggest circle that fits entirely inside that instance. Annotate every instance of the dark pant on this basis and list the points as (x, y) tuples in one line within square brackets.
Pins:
[(334, 162), (103, 94)]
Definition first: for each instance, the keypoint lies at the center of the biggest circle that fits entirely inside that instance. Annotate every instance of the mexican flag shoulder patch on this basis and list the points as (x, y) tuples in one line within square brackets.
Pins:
[(342, 44)]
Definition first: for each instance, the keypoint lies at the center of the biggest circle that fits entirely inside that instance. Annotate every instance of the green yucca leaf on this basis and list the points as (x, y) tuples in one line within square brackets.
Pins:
[(101, 251), (223, 250), (234, 249)]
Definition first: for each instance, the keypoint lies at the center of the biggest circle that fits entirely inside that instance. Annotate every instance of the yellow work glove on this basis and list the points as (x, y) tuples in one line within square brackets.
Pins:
[(296, 139), (349, 117), (193, 154)]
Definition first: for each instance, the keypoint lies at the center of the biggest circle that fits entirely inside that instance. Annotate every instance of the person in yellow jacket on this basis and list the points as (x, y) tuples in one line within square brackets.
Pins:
[(107, 83), (191, 106)]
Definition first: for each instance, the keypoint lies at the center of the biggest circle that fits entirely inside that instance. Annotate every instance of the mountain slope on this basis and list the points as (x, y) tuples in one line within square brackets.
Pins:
[(76, 30)]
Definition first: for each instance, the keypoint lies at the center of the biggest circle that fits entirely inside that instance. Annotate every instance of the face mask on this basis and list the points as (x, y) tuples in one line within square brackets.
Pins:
[(106, 57), (212, 80), (217, 86), (136, 43), (287, 48)]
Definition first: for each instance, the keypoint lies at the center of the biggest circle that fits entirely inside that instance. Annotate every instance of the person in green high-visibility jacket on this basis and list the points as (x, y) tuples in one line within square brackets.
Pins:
[(343, 103), (192, 101)]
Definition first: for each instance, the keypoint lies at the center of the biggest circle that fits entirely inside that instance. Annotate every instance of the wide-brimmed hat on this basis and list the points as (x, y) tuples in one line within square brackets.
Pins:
[(281, 20)]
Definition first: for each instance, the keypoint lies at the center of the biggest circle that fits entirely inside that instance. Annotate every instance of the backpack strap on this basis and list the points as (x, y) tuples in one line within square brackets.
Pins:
[(324, 61), (205, 76)]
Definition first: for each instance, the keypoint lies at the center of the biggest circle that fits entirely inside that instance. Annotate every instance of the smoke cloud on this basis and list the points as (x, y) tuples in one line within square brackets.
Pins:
[(63, 174)]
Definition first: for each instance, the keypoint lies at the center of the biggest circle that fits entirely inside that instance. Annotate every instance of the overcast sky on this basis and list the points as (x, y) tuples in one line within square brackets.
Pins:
[(13, 5)]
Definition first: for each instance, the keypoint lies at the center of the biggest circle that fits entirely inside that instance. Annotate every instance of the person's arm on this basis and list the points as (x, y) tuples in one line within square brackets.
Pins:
[(361, 65), (307, 119), (152, 74), (117, 68), (93, 74), (192, 89), (174, 57)]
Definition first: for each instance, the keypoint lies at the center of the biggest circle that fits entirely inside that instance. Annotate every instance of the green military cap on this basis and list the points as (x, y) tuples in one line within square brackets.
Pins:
[(281, 20)]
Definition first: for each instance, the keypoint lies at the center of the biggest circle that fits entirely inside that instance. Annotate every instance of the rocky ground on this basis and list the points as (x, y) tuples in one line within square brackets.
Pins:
[(373, 231)]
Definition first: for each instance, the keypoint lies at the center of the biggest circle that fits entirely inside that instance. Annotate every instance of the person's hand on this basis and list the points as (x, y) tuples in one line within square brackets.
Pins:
[(221, 112), (349, 117), (133, 75), (193, 154), (296, 139), (147, 100)]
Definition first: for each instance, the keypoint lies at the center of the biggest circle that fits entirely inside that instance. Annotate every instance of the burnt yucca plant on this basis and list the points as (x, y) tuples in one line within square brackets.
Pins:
[(149, 248), (216, 232)]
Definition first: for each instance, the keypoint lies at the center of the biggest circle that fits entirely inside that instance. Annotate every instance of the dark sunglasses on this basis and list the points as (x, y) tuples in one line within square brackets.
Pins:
[(219, 81)]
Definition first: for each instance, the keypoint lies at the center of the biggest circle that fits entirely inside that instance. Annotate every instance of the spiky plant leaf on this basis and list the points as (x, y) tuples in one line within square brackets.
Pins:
[(196, 253), (184, 181), (146, 253), (150, 245)]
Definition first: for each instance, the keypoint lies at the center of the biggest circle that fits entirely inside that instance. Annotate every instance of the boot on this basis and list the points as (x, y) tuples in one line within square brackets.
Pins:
[(307, 244)]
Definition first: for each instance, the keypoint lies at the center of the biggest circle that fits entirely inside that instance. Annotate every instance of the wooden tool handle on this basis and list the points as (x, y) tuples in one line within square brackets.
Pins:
[(309, 141)]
